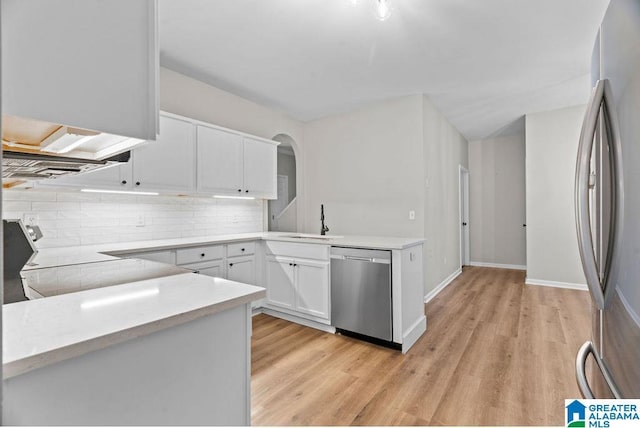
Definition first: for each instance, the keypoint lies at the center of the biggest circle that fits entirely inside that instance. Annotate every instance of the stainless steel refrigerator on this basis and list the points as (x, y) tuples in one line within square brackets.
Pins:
[(608, 208)]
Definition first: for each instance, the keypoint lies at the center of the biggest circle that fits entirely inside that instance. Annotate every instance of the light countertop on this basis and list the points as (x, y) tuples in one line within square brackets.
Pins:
[(40, 332), (50, 257), (44, 331)]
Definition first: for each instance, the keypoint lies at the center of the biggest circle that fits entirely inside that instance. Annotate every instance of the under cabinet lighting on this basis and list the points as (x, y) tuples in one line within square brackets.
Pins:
[(120, 192), (232, 197)]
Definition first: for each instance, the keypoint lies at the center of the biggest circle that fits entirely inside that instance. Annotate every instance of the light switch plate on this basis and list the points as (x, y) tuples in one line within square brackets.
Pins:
[(412, 215)]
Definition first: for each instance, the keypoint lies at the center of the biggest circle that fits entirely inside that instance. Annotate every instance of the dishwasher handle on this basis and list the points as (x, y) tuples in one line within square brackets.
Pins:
[(361, 259)]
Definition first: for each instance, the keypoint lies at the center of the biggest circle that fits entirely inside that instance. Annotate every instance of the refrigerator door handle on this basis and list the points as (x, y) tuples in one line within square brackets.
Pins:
[(581, 377), (617, 191), (585, 240)]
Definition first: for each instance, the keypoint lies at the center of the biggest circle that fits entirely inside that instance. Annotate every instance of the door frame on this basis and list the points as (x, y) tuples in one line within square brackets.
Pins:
[(463, 214)]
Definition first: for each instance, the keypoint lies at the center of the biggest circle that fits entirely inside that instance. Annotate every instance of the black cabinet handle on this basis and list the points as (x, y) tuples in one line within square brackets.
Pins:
[(137, 183), (246, 191), (124, 181), (241, 249), (290, 264), (294, 265), (230, 264), (202, 255), (524, 225), (464, 224), (239, 190)]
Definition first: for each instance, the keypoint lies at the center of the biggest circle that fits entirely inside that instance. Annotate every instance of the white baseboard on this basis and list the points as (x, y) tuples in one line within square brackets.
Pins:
[(557, 284), (414, 333), (433, 293), (498, 265), (298, 320)]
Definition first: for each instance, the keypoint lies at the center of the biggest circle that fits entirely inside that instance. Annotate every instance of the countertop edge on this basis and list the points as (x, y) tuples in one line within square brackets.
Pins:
[(23, 365), (347, 242)]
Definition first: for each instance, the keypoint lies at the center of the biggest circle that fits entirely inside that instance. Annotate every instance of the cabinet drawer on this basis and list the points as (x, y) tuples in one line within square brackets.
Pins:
[(299, 251), (199, 254), (241, 249)]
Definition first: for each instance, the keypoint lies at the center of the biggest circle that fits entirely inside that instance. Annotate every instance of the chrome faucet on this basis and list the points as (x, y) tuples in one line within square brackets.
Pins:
[(323, 229)]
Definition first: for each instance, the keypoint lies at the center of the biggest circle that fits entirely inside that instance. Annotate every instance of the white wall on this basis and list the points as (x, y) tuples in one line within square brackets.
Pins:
[(497, 202), (366, 167), (74, 218), (551, 147), (369, 167), (444, 149), (183, 95)]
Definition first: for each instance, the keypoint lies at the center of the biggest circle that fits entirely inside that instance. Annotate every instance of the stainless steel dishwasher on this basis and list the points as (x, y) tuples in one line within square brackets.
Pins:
[(361, 293)]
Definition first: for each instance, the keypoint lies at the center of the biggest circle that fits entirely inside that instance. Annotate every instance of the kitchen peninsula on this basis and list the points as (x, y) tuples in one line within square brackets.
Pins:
[(172, 350)]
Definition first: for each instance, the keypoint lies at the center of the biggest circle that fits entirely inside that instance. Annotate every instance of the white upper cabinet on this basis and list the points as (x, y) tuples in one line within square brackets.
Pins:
[(234, 164), (114, 178), (167, 164), (220, 161), (191, 157), (91, 64), (260, 169)]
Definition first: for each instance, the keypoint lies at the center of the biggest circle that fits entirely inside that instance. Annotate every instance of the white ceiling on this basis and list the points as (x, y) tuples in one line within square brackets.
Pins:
[(484, 63)]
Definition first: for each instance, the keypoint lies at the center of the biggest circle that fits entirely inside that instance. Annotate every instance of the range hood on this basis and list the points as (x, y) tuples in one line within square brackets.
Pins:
[(36, 150)]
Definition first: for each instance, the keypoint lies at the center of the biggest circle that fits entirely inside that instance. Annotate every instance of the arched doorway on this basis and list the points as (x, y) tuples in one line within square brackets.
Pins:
[(283, 212)]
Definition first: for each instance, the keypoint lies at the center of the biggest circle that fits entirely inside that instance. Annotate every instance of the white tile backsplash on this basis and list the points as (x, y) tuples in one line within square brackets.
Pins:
[(72, 218)]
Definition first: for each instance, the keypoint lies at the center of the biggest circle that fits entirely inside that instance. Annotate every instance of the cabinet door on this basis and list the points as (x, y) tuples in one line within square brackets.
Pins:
[(219, 161), (312, 288), (168, 163), (279, 282), (116, 177), (242, 269), (210, 268), (90, 64), (260, 169), (216, 271)]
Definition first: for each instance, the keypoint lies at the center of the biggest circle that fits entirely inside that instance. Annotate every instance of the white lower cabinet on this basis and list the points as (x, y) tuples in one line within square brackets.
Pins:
[(280, 282), (312, 288), (210, 268), (242, 269), (298, 285)]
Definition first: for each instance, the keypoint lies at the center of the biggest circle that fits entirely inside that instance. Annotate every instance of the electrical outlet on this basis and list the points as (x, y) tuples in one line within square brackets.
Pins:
[(30, 219), (412, 215), (140, 220)]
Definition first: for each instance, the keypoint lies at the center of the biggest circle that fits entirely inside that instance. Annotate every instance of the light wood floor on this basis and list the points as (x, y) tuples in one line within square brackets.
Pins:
[(496, 352)]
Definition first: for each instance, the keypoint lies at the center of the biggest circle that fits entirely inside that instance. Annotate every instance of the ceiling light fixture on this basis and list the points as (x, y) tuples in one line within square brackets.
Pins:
[(383, 10)]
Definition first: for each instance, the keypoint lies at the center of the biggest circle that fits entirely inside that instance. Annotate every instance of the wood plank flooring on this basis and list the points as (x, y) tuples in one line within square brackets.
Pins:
[(496, 352)]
